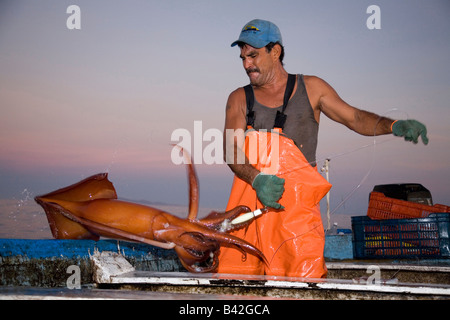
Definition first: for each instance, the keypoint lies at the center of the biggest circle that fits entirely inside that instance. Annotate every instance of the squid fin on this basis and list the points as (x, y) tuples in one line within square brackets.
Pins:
[(94, 187)]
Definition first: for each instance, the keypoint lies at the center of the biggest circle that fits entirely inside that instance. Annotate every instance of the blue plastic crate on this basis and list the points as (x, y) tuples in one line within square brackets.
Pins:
[(402, 238)]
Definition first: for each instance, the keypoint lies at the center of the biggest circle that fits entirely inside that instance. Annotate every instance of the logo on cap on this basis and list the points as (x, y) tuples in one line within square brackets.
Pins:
[(250, 28)]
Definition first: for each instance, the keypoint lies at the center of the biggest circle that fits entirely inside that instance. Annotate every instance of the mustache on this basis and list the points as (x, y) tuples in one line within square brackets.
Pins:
[(250, 70)]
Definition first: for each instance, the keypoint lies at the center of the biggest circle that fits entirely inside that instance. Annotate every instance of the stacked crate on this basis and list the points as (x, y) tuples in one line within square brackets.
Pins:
[(399, 229)]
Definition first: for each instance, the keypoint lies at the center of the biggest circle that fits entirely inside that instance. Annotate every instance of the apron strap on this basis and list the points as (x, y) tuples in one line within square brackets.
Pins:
[(280, 118), (250, 97)]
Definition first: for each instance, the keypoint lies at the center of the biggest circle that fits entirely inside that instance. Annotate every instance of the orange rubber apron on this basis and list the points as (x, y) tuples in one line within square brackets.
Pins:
[(292, 239)]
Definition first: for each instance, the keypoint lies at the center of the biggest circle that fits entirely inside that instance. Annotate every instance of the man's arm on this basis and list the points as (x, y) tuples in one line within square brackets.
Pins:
[(234, 137), (326, 100), (360, 121)]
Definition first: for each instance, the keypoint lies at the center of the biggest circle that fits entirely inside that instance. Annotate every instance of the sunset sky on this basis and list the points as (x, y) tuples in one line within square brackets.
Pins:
[(107, 97)]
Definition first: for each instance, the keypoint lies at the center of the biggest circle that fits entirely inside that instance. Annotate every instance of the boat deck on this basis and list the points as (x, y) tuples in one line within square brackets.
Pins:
[(39, 269), (145, 285)]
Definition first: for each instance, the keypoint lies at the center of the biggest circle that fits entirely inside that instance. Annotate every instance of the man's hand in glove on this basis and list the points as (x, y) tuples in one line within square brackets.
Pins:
[(269, 189), (411, 130)]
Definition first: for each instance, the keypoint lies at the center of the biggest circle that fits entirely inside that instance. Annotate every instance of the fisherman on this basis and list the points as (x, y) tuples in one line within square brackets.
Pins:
[(286, 108)]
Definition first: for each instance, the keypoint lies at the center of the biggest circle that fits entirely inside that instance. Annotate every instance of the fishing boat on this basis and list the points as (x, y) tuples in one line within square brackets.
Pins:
[(72, 269), (379, 258)]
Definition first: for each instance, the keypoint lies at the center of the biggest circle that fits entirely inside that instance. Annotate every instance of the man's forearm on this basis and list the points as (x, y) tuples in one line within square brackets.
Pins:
[(239, 164), (236, 158), (369, 124), (245, 172)]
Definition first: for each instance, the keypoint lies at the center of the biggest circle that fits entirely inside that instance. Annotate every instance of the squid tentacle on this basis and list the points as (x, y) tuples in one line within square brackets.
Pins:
[(221, 221)]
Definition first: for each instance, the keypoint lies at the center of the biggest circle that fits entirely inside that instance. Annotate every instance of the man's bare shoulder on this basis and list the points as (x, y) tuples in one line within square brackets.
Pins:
[(236, 110), (236, 99), (317, 87), (239, 93), (314, 81)]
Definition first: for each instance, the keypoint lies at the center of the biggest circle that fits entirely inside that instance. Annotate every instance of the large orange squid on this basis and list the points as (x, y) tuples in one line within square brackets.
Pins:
[(90, 209)]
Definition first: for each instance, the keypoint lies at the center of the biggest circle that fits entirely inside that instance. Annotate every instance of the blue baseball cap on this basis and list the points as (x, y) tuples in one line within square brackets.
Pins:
[(259, 33)]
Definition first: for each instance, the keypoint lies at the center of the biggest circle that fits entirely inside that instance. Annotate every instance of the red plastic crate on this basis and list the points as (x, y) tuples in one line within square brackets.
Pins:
[(382, 208)]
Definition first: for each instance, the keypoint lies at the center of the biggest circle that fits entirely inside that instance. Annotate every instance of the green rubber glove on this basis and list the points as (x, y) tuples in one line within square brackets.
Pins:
[(269, 189), (411, 130)]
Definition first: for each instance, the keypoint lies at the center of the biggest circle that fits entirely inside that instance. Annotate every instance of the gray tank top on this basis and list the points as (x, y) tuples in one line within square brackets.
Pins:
[(300, 125)]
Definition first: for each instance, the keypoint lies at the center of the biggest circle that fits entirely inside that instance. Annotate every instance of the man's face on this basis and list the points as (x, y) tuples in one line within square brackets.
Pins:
[(258, 64)]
